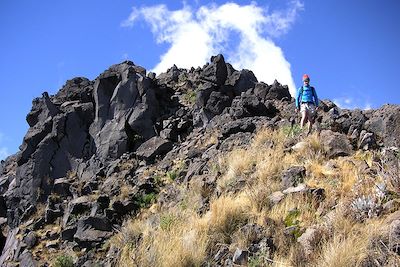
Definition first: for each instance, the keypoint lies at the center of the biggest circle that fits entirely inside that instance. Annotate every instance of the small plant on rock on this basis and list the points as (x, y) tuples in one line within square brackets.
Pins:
[(172, 175), (167, 221), (146, 199), (190, 97), (364, 207), (176, 170), (293, 130), (63, 261), (291, 221)]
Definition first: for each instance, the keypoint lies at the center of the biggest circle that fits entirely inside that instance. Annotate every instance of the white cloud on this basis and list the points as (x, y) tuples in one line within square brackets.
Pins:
[(4, 153), (3, 150), (348, 102), (242, 33)]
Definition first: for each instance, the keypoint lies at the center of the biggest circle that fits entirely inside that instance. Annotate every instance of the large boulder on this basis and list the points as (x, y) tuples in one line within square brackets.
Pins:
[(335, 144), (78, 89), (293, 176), (126, 109), (169, 77), (385, 124), (216, 72), (249, 105), (217, 102), (154, 147), (278, 91), (92, 231), (203, 93), (60, 140), (241, 81)]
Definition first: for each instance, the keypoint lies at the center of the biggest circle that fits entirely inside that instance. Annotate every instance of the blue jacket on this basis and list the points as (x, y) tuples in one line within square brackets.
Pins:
[(306, 94)]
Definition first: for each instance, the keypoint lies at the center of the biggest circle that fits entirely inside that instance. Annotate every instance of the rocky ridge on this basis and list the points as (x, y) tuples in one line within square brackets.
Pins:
[(88, 160)]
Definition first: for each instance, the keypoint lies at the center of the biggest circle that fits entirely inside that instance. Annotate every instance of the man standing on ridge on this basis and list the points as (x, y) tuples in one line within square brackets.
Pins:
[(307, 101)]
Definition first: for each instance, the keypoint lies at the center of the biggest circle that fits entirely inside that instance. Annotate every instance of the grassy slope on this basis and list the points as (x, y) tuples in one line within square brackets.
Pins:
[(347, 235)]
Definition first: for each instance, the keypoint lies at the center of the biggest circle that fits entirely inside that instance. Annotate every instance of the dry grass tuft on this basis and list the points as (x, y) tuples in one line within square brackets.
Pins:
[(239, 163), (305, 210), (344, 251), (179, 240), (227, 214)]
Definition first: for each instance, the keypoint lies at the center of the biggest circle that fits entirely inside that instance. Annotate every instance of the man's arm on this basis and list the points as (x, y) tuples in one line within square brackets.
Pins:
[(298, 95), (316, 101)]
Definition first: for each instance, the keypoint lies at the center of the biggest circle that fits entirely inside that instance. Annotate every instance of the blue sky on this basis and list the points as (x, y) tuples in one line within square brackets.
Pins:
[(349, 48)]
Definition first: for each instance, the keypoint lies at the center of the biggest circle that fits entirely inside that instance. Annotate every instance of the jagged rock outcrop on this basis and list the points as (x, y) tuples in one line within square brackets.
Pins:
[(84, 162), (385, 124)]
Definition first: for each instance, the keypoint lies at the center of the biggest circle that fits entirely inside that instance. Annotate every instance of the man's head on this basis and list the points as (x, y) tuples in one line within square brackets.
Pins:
[(306, 79)]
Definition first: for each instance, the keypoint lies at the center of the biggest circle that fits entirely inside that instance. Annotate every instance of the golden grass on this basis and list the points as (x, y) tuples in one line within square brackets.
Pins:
[(185, 238), (344, 251), (312, 150), (179, 241), (124, 192), (262, 161), (182, 245), (239, 162), (305, 207), (353, 244), (259, 195), (226, 215)]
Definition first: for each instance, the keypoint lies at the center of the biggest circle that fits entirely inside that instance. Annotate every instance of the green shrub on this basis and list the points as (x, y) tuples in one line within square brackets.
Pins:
[(176, 171), (146, 199), (63, 261), (190, 97), (166, 222), (291, 220), (292, 130), (172, 175)]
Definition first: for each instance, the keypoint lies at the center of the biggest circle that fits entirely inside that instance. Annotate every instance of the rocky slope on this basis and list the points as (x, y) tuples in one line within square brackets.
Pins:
[(94, 151)]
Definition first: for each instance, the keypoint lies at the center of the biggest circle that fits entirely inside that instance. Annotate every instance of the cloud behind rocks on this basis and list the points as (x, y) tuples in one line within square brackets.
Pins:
[(349, 102), (4, 153), (3, 150), (243, 33)]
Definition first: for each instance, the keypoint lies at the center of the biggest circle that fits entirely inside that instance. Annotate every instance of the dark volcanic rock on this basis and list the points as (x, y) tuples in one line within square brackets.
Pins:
[(278, 91), (26, 259), (61, 140), (335, 144), (30, 240), (261, 90), (68, 233), (240, 257), (217, 102), (126, 108), (293, 176), (154, 147), (91, 231), (99, 150), (62, 187), (241, 81), (385, 124), (10, 251), (203, 93), (79, 89), (237, 127), (216, 72), (249, 106)]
